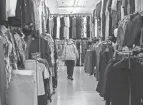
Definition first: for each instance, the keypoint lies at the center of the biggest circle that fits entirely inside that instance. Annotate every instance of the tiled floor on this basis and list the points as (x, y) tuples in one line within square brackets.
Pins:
[(81, 91)]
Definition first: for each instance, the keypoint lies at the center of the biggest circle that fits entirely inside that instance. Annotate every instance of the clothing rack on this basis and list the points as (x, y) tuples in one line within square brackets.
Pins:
[(71, 14)]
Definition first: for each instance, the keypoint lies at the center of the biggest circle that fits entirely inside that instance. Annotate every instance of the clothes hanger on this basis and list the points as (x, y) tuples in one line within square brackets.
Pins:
[(141, 13)]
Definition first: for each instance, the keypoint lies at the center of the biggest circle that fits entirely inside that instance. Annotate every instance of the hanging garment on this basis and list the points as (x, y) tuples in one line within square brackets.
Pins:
[(116, 15), (89, 62), (108, 20), (58, 28), (95, 29), (107, 26), (88, 26), (2, 10), (41, 45), (114, 19), (44, 61), (78, 44), (141, 5), (114, 5), (105, 57), (125, 5), (97, 49), (131, 6), (62, 28), (66, 28), (98, 10), (55, 78), (138, 5), (25, 11), (122, 12), (125, 79), (22, 89), (51, 25), (3, 81), (19, 45), (133, 30), (42, 73), (55, 28), (94, 16), (70, 29), (47, 26), (107, 14), (11, 7), (78, 27), (82, 27), (121, 30), (51, 45), (84, 49), (119, 4), (36, 14), (74, 36), (103, 19)]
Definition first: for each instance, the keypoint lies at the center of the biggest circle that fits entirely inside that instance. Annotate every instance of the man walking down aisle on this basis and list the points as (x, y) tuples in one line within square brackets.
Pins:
[(70, 54)]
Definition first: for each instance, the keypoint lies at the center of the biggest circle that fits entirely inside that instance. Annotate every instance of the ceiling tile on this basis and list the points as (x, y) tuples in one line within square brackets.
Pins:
[(65, 3), (67, 6)]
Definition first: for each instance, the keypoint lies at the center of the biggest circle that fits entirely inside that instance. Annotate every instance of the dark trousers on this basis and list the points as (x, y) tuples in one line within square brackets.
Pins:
[(70, 67), (42, 100)]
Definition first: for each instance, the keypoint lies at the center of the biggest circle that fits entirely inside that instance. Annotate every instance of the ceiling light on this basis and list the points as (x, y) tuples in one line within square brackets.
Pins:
[(76, 3)]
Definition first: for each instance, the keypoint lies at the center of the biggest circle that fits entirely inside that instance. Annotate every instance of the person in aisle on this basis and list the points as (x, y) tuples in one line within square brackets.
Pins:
[(70, 54)]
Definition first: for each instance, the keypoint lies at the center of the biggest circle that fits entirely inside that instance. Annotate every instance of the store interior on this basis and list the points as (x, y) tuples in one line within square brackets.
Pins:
[(106, 34)]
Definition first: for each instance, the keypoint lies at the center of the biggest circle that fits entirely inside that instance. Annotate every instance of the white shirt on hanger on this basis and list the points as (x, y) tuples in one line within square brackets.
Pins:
[(58, 27), (11, 7), (41, 69)]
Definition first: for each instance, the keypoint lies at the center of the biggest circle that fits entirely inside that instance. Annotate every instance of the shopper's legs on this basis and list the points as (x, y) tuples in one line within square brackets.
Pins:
[(68, 68), (72, 63), (71, 71)]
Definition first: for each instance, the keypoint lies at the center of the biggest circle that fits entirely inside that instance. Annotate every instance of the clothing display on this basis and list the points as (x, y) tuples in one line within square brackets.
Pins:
[(19, 22), (75, 27), (3, 80), (90, 62), (40, 40), (22, 89), (111, 13), (41, 68)]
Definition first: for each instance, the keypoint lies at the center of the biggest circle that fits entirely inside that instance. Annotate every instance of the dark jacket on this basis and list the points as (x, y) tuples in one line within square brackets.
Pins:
[(122, 82), (89, 62), (133, 30), (105, 57), (25, 11), (2, 10), (41, 45)]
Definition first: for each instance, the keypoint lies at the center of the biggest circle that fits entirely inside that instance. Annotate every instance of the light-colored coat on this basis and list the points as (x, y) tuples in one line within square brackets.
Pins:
[(70, 52)]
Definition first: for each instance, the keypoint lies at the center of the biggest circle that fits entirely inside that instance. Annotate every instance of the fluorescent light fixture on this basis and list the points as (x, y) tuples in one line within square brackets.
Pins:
[(66, 8), (76, 3)]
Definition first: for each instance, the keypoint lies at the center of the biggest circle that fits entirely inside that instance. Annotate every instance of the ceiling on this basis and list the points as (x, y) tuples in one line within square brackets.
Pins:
[(71, 6)]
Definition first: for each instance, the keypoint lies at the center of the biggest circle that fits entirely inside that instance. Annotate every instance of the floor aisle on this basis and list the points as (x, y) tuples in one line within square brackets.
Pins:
[(81, 91)]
